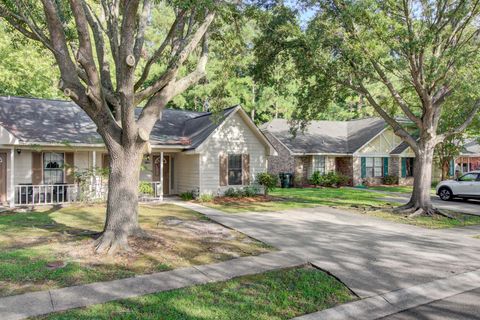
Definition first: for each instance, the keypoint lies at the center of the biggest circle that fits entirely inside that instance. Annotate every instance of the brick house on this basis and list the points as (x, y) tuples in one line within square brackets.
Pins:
[(365, 150)]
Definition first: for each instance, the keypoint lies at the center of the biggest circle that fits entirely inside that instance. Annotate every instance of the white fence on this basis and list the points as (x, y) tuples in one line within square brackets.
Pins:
[(46, 194), (68, 193)]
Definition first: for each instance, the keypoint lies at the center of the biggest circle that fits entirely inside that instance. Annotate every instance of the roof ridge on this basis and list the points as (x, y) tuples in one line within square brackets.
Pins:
[(34, 98)]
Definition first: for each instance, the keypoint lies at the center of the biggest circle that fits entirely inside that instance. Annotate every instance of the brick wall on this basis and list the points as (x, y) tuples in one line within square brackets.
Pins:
[(344, 165), (302, 165), (284, 161)]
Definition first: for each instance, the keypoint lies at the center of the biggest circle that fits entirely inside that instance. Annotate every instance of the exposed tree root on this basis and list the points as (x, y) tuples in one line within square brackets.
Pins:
[(415, 211), (110, 243)]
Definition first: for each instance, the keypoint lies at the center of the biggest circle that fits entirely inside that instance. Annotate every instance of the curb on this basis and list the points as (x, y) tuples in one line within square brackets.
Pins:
[(400, 300)]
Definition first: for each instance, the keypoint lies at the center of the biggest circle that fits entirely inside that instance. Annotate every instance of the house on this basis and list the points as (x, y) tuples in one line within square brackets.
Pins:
[(44, 142), (364, 150)]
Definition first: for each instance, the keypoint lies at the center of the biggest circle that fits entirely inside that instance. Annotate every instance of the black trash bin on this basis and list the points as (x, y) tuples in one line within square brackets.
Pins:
[(288, 177), (281, 175)]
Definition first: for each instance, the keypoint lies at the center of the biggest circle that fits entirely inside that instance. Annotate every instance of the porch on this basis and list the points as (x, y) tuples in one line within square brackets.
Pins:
[(32, 178)]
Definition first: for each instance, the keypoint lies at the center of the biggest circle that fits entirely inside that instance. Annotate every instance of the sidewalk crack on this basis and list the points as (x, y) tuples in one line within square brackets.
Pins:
[(387, 300), (51, 300)]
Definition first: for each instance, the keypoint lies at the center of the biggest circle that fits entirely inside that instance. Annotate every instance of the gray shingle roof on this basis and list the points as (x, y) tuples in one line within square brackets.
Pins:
[(400, 148), (56, 121), (471, 147), (340, 137)]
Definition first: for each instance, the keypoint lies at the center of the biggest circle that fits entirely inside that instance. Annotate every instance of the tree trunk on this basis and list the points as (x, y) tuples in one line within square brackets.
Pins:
[(420, 202), (445, 169), (122, 203)]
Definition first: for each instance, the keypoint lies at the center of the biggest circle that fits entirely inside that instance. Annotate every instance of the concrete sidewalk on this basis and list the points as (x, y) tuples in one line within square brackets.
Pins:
[(397, 301), (44, 302)]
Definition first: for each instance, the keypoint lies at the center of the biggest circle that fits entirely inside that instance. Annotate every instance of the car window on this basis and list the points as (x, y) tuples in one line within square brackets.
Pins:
[(469, 177)]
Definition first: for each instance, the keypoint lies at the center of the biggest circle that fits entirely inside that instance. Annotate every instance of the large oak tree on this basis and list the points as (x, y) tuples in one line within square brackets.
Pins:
[(412, 59), (106, 63)]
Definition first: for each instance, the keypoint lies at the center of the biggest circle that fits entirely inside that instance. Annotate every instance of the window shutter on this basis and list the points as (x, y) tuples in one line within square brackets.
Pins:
[(385, 166), (245, 169), (105, 161), (69, 167), (37, 168), (364, 166), (452, 168), (223, 170), (404, 167)]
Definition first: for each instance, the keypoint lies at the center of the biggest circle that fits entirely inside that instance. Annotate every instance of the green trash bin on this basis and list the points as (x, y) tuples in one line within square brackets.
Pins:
[(283, 181), (288, 180)]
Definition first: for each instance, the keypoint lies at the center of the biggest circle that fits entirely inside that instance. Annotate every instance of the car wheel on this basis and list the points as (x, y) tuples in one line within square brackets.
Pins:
[(445, 194)]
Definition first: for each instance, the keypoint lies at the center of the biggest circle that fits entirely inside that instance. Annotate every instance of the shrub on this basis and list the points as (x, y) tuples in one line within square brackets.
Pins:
[(389, 180), (206, 197), (186, 196), (317, 178), (251, 191), (331, 179), (267, 180), (434, 184), (232, 192), (146, 188)]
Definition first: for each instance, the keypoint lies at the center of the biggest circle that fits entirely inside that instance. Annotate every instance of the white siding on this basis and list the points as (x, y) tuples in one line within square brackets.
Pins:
[(23, 167), (382, 145), (233, 137), (81, 160), (6, 137), (186, 175)]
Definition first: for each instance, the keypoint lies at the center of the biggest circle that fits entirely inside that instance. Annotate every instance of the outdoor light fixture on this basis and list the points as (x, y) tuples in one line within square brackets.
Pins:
[(19, 151)]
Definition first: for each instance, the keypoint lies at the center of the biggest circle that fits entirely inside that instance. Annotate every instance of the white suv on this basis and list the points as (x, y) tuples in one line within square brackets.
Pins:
[(467, 186)]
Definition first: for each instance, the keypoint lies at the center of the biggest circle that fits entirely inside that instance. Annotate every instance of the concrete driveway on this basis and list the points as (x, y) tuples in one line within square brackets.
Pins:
[(371, 256), (465, 306)]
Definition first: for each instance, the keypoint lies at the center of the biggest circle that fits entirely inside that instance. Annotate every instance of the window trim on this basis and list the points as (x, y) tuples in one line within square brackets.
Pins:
[(44, 170), (314, 167), (373, 166), (240, 169)]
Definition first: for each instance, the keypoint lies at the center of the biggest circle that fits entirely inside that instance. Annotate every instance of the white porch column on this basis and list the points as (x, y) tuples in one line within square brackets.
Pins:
[(12, 178), (93, 182), (161, 176)]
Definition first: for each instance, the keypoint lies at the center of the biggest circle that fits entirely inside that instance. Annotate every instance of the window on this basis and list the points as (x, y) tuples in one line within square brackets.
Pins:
[(409, 166), (318, 164), (468, 177), (234, 169), (53, 168), (374, 167)]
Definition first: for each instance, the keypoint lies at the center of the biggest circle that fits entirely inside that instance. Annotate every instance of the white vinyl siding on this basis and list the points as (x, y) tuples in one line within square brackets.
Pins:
[(186, 172), (234, 137)]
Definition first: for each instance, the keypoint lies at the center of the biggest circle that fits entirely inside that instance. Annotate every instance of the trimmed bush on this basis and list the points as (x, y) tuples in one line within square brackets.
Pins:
[(186, 196), (251, 191), (331, 179), (206, 197), (389, 180), (267, 180)]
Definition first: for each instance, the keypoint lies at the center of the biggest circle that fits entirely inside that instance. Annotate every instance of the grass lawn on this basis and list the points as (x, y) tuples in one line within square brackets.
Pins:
[(435, 222), (33, 244), (273, 295), (359, 200), (402, 189), (285, 199)]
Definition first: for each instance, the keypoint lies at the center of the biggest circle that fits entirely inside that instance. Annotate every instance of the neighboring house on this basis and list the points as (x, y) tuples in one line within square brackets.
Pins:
[(43, 142), (365, 150), (469, 158)]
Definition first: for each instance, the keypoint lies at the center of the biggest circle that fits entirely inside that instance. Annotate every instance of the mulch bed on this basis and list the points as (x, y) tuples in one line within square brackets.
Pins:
[(259, 198)]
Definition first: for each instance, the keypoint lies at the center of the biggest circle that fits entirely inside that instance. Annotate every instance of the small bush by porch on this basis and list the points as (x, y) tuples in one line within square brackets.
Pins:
[(52, 247)]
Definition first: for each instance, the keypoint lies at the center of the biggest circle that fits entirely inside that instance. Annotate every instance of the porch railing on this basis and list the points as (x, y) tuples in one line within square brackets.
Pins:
[(46, 194), (155, 195), (68, 193)]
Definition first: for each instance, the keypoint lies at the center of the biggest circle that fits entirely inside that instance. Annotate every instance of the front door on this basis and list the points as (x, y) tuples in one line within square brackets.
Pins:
[(3, 177), (166, 172)]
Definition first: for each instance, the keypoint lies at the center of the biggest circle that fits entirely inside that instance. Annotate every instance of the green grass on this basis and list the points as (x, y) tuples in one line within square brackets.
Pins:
[(477, 237), (368, 202), (273, 295), (29, 241), (308, 197), (435, 222), (401, 189)]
